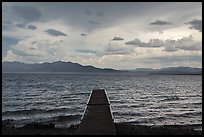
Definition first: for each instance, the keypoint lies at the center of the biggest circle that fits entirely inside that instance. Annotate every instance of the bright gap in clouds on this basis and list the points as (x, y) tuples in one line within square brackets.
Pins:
[(113, 35)]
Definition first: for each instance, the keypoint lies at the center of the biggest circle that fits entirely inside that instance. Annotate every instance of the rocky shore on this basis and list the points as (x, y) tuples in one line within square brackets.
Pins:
[(121, 129)]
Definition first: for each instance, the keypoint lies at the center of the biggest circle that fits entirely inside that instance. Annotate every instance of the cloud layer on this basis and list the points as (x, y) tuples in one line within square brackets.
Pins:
[(117, 35), (185, 43)]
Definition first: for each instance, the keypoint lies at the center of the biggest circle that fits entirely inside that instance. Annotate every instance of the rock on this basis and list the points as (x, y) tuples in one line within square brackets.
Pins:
[(39, 125), (7, 123)]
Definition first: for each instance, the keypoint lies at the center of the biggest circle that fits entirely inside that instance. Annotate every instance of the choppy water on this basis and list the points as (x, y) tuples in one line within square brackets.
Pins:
[(141, 99)]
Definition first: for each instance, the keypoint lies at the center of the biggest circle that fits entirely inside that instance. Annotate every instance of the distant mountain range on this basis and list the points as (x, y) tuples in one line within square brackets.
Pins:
[(60, 66), (170, 70)]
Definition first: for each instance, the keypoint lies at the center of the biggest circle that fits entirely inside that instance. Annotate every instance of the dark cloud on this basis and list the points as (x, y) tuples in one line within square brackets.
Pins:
[(195, 24), (94, 22), (117, 38), (73, 13), (32, 27), (54, 32), (24, 26), (29, 13), (82, 34), (160, 22)]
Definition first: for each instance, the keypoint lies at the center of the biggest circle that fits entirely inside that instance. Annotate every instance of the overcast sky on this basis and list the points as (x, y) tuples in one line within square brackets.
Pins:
[(114, 35)]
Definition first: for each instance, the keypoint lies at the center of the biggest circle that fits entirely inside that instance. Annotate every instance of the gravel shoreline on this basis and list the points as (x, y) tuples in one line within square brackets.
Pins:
[(121, 129)]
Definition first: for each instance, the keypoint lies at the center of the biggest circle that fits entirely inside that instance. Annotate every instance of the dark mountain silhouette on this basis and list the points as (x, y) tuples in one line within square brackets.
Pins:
[(58, 66)]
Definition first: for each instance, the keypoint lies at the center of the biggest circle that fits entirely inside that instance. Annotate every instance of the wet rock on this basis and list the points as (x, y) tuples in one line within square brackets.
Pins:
[(39, 125), (7, 123)]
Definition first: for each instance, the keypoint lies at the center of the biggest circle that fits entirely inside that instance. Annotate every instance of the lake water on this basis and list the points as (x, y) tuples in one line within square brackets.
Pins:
[(137, 98)]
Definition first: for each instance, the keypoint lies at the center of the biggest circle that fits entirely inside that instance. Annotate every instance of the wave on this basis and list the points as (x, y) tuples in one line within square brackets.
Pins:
[(197, 103), (159, 107), (149, 120), (35, 111), (138, 106), (187, 114), (68, 117), (170, 98), (60, 120), (81, 93), (127, 114), (19, 112), (157, 119)]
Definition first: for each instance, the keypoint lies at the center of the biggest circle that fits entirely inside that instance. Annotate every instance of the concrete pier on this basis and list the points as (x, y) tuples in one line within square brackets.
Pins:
[(97, 118)]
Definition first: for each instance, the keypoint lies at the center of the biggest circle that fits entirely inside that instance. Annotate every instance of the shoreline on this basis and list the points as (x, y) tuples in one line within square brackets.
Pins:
[(121, 129)]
